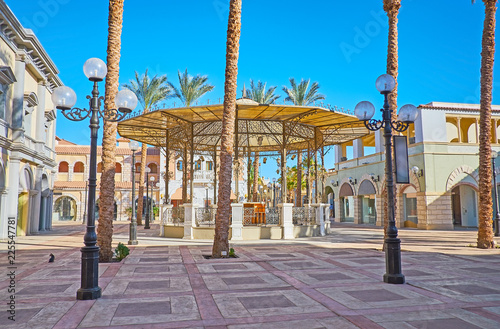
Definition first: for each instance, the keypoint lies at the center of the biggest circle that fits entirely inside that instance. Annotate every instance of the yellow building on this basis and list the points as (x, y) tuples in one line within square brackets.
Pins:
[(27, 129), (70, 187)]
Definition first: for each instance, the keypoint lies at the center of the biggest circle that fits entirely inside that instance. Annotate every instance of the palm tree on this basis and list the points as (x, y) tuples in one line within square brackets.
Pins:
[(191, 88), (485, 230), (391, 8), (107, 195), (299, 95), (221, 239), (259, 93), (149, 92)]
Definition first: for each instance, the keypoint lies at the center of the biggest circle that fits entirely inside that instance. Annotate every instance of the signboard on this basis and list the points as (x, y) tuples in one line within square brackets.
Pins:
[(401, 169)]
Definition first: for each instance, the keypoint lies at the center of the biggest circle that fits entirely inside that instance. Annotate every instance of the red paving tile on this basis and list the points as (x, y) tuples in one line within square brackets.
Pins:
[(325, 263)]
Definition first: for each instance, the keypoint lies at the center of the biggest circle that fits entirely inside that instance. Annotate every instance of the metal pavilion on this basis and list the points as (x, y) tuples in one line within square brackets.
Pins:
[(270, 129)]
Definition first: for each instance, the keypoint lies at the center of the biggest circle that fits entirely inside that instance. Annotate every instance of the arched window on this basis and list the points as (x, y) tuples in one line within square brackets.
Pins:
[(65, 208), (79, 167), (138, 167), (153, 167), (99, 167), (63, 167), (118, 168), (179, 165)]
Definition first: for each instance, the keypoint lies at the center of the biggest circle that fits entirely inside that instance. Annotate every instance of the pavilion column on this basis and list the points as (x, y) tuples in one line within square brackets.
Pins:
[(298, 202), (167, 156), (215, 173), (249, 167), (308, 174), (283, 167), (316, 199), (323, 176), (237, 162), (191, 166), (184, 176), (18, 100)]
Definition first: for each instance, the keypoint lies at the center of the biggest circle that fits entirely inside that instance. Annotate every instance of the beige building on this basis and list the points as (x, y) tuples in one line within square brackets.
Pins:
[(27, 129), (71, 189), (443, 160)]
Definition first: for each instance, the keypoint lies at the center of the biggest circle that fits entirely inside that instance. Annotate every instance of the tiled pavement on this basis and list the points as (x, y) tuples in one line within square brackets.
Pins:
[(328, 282)]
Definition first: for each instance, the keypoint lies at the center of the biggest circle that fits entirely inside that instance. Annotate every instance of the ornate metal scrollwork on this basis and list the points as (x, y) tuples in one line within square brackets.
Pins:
[(112, 115), (399, 126), (373, 124), (76, 114)]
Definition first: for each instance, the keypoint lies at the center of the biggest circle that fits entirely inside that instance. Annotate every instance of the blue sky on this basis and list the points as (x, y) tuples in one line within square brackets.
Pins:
[(340, 44)]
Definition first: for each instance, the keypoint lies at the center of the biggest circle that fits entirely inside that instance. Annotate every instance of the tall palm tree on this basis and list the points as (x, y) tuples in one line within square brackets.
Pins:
[(300, 95), (391, 8), (149, 92), (191, 88), (107, 195), (260, 94), (485, 230), (221, 239)]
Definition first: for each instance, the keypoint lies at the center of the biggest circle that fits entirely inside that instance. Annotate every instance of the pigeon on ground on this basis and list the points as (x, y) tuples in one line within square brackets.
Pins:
[(52, 257)]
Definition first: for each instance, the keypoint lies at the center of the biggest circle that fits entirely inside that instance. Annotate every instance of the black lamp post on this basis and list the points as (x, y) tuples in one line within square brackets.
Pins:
[(134, 146), (151, 212), (407, 114), (494, 156), (64, 98), (148, 170)]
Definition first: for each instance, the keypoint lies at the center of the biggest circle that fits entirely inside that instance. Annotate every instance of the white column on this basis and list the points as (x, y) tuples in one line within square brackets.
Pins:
[(357, 148), (189, 219), (237, 221), (286, 220), (338, 153), (40, 117), (17, 104), (166, 217), (3, 214), (12, 196), (379, 141), (320, 217)]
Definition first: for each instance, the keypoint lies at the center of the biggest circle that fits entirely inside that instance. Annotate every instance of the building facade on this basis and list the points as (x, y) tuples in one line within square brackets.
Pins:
[(71, 185), (443, 160), (27, 129)]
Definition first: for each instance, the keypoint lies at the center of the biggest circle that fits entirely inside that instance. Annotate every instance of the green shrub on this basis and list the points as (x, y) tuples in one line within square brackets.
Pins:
[(231, 252), (121, 251)]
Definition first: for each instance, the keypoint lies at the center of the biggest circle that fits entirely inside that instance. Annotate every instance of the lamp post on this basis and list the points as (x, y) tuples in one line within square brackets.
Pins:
[(151, 212), (274, 192), (408, 113), (494, 155), (64, 98), (146, 226), (134, 146)]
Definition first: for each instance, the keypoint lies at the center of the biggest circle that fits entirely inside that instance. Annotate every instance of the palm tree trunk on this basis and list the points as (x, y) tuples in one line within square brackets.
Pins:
[(106, 203), (391, 7), (255, 190), (221, 239), (485, 231), (142, 178), (299, 179)]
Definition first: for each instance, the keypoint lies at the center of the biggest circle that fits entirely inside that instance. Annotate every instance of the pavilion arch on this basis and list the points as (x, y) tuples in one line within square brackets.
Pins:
[(346, 181), (26, 179), (369, 178), (453, 178), (367, 197), (65, 207)]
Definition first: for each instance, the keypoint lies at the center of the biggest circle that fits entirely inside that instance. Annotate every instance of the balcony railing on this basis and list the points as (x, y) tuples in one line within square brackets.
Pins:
[(205, 216), (304, 216), (203, 175)]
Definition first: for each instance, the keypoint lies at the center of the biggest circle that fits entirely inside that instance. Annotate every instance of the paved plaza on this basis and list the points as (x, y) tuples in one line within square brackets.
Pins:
[(325, 282)]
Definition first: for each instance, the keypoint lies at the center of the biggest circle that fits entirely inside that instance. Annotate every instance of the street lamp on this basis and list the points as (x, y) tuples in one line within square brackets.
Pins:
[(151, 212), (134, 146), (408, 113), (64, 98), (274, 192), (494, 155), (206, 198), (148, 170)]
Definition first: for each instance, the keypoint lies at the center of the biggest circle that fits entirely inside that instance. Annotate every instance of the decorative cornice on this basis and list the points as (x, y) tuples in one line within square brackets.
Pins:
[(7, 77)]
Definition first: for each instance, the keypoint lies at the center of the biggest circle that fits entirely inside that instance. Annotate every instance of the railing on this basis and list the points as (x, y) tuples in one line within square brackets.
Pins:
[(303, 216), (273, 216), (175, 216), (205, 216), (203, 175), (248, 215)]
